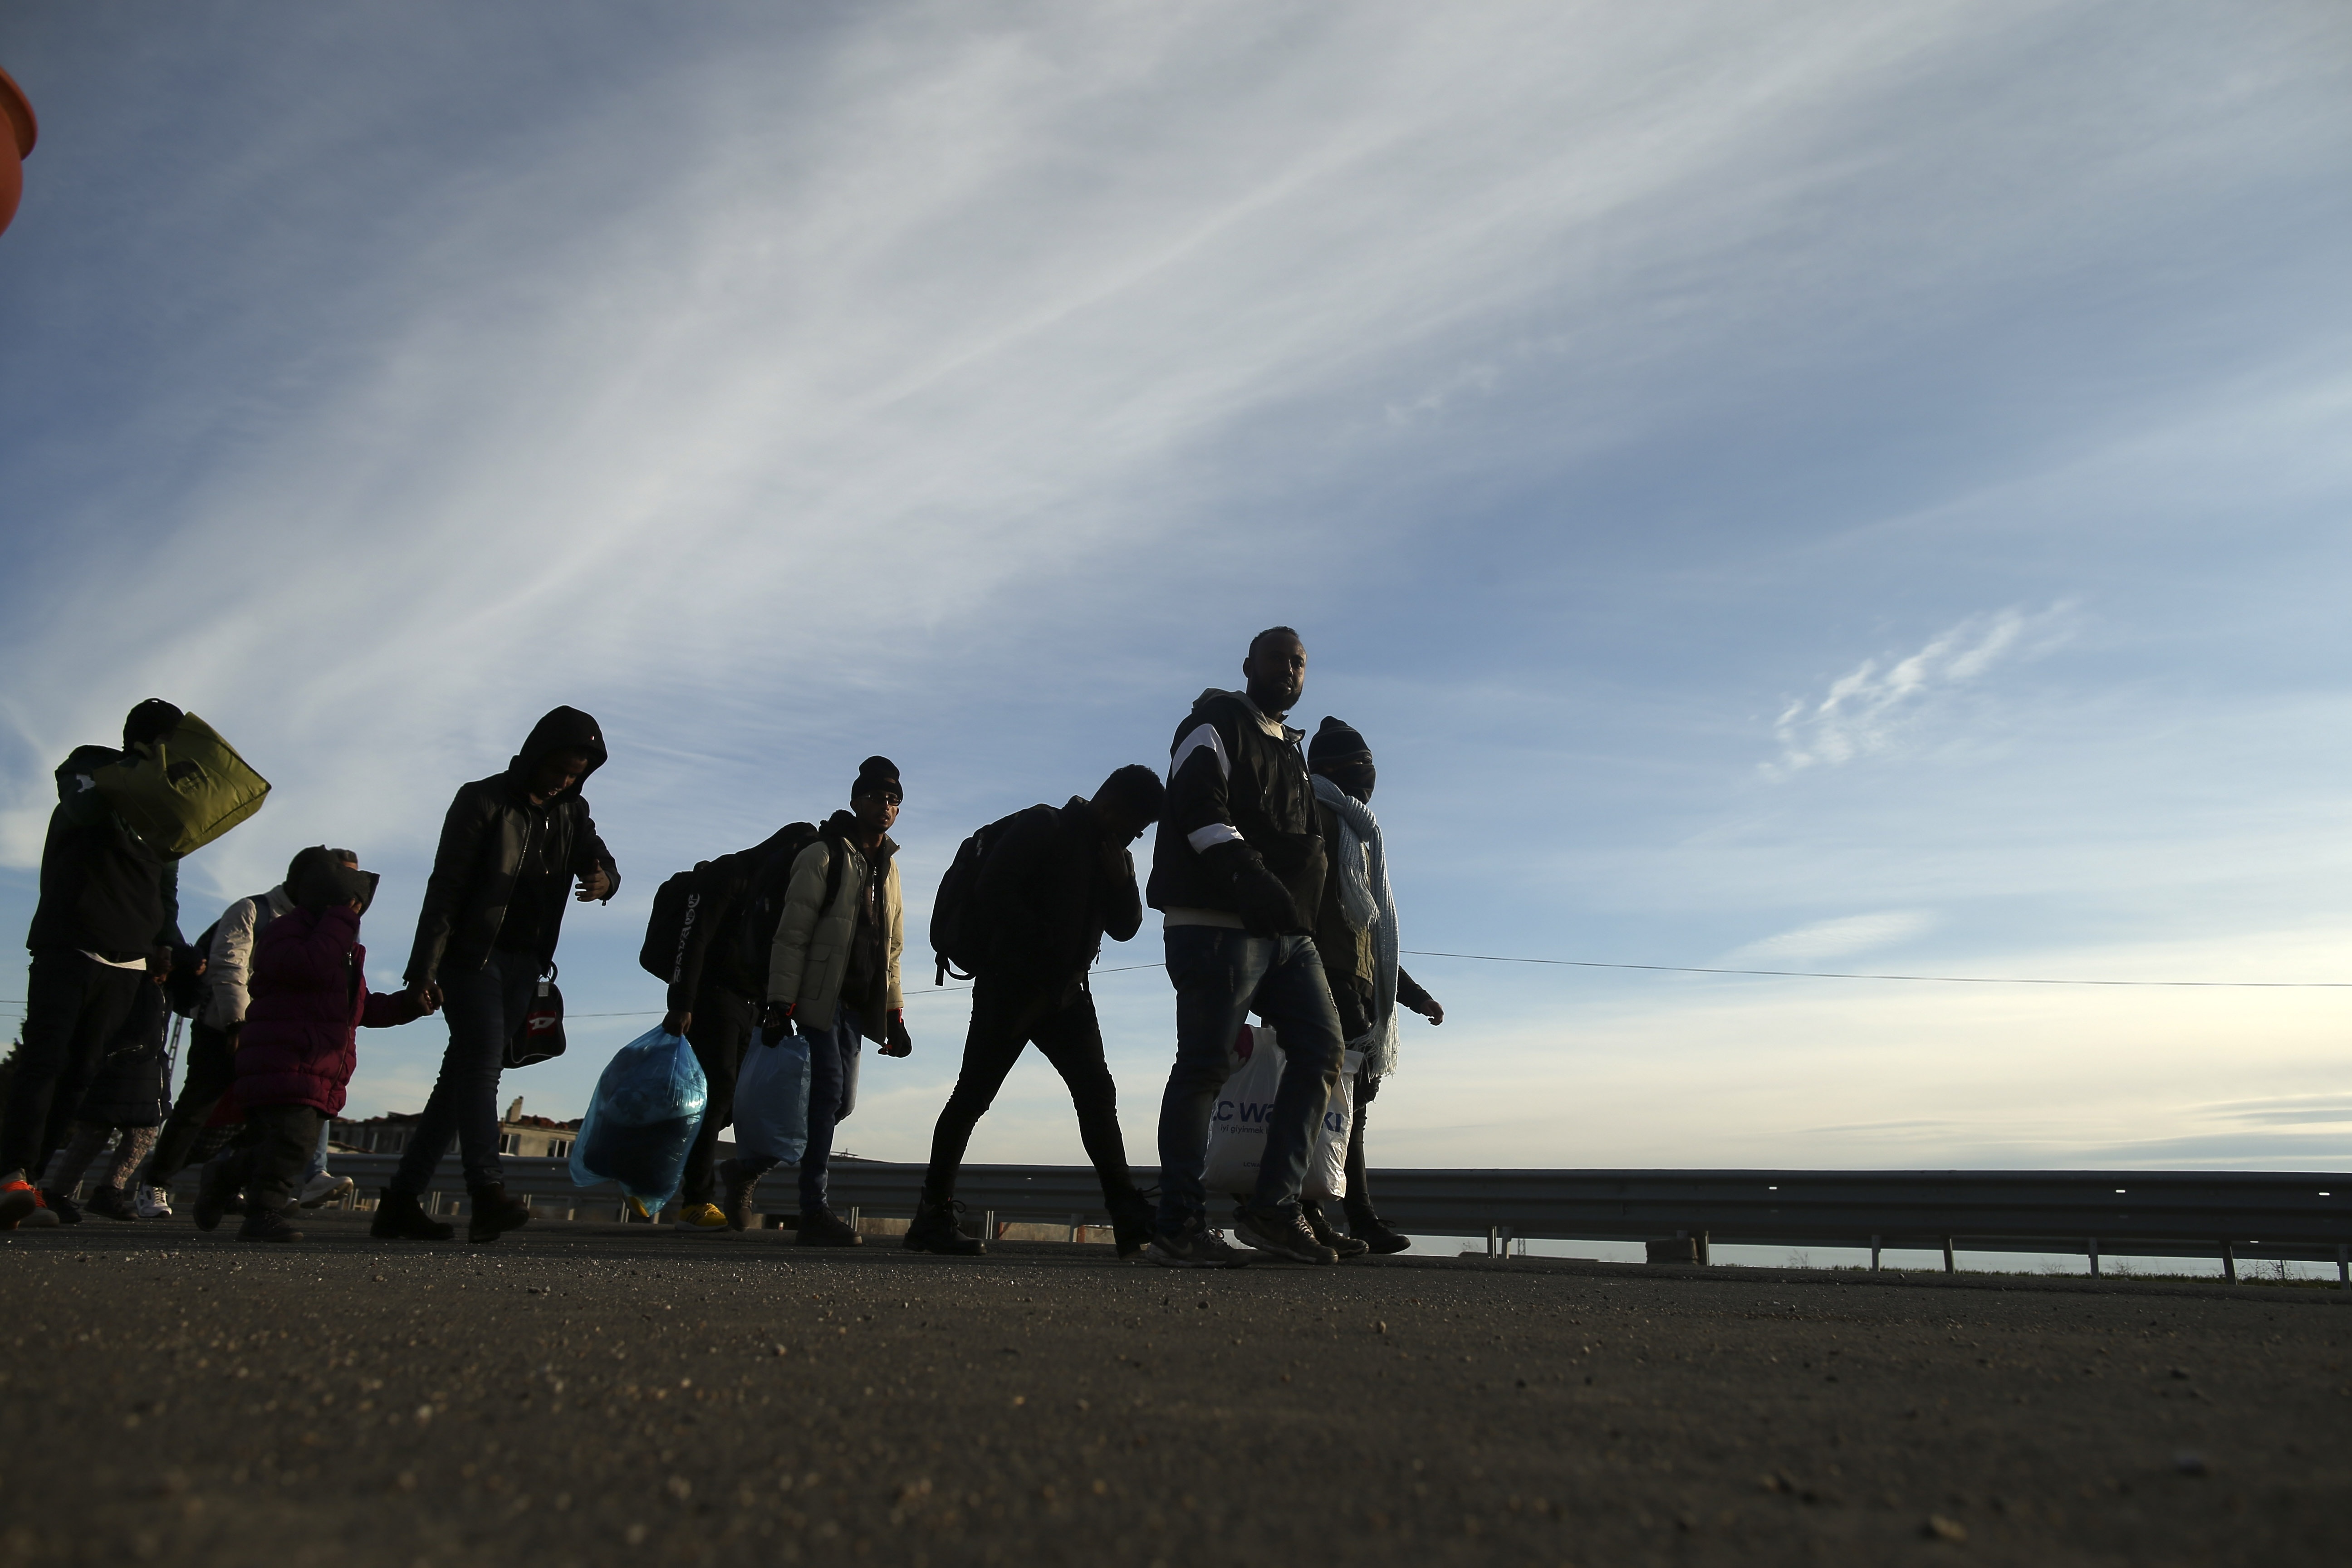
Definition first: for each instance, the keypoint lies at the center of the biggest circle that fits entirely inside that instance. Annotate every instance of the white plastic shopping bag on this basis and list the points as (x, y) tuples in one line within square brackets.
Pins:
[(1237, 1126), (1326, 1170)]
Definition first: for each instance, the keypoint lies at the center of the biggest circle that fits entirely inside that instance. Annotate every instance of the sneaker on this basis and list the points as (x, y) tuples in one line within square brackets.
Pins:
[(324, 1187), (21, 1207), (61, 1205), (1343, 1245), (401, 1216), (740, 1183), (1373, 1231), (702, 1216), (111, 1202), (939, 1227), (1132, 1224), (215, 1189), (153, 1203), (1285, 1235), (1194, 1247), (267, 1224), (493, 1214), (826, 1229)]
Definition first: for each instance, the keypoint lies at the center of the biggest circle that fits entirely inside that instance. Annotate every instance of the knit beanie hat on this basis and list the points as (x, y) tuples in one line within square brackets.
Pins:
[(149, 722), (877, 775), (1335, 745)]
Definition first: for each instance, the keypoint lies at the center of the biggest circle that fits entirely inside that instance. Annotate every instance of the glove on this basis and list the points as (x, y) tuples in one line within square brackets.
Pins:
[(778, 1016), (899, 1043), (1266, 906)]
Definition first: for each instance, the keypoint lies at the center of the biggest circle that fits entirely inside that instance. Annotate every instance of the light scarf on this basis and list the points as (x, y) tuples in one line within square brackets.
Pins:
[(1366, 902)]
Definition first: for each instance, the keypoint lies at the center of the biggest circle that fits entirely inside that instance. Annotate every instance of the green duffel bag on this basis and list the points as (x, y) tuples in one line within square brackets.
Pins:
[(182, 791)]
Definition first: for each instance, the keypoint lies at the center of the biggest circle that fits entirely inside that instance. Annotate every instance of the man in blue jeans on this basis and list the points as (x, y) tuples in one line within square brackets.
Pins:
[(1237, 873), (512, 846)]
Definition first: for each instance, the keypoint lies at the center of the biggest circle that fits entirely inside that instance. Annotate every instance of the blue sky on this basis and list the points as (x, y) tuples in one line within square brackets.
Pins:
[(1838, 486)]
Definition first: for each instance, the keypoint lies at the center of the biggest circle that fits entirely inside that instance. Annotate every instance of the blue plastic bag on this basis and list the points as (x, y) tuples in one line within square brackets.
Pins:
[(642, 1121), (771, 1097)]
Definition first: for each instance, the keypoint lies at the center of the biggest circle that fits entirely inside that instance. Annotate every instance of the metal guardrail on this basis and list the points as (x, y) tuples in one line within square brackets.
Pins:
[(2234, 1215)]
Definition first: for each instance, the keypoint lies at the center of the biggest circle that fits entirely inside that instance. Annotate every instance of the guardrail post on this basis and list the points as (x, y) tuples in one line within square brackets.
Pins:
[(1074, 1229), (2344, 1267), (2229, 1263), (988, 1224), (1951, 1264), (1493, 1233), (2095, 1257), (1873, 1255)]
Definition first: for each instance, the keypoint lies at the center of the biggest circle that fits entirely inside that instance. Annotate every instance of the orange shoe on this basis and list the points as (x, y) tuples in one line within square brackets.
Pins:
[(21, 1207)]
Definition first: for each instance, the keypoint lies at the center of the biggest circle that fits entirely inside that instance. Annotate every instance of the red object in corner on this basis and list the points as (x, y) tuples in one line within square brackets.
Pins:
[(16, 111)]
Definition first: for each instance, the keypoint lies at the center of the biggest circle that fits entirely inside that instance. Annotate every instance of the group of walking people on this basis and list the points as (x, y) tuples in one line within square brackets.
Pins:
[(1269, 872)]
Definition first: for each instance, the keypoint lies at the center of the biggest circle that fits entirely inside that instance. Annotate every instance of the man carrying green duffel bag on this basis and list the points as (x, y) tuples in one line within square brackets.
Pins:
[(182, 789), (107, 921)]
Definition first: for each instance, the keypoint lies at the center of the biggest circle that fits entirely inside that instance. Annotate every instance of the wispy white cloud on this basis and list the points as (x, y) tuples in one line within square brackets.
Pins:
[(1874, 708), (1834, 939)]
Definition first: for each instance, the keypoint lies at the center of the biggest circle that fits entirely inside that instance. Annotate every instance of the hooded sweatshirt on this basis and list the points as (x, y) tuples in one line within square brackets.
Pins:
[(504, 867), (103, 890)]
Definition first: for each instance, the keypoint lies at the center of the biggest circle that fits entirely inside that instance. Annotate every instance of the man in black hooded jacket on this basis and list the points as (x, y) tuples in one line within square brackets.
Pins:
[(1237, 871), (511, 846), (107, 920)]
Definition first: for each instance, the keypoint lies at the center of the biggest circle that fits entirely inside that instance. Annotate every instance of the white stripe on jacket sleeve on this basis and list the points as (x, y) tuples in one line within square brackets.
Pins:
[(1203, 839), (1202, 735)]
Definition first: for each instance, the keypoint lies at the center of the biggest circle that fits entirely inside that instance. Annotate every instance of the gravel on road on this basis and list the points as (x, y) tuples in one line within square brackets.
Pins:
[(578, 1393)]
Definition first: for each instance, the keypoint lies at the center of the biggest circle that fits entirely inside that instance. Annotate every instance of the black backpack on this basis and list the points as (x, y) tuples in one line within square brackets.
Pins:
[(670, 924), (753, 939), (955, 943)]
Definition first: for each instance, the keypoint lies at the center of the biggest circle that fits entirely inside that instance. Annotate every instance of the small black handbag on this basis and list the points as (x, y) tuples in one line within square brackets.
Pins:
[(540, 1037)]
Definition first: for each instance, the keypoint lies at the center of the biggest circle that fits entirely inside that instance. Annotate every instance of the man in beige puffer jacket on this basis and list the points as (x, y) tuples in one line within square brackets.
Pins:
[(833, 974)]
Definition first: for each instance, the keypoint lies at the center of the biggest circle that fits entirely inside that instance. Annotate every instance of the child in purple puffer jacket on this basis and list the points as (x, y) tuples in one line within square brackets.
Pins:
[(300, 1041)]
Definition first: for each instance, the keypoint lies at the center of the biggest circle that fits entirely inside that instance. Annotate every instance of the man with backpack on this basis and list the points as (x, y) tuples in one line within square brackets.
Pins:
[(511, 846), (1027, 905), (1237, 871), (107, 921), (832, 975), (708, 939)]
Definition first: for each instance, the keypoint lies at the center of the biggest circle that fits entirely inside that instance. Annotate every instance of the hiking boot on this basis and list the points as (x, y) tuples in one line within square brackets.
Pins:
[(1194, 1246), (495, 1214), (263, 1224), (111, 1202), (61, 1205), (400, 1216), (1344, 1246), (741, 1184), (702, 1216), (1132, 1224), (823, 1227), (939, 1227), (1373, 1231), (153, 1203), (324, 1187), (215, 1188), (1285, 1235), (21, 1207)]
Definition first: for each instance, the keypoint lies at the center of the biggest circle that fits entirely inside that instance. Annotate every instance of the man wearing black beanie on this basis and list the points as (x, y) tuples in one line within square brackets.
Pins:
[(832, 976), (1356, 934), (1237, 871)]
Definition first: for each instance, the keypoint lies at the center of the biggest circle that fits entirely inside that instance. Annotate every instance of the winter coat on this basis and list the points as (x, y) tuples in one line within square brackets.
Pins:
[(811, 957), (480, 859), (1234, 774), (103, 890), (228, 963), (133, 1087), (301, 1040), (1045, 904)]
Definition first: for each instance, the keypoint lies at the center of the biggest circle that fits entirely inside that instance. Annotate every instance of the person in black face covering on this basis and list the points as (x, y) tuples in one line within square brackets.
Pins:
[(512, 846)]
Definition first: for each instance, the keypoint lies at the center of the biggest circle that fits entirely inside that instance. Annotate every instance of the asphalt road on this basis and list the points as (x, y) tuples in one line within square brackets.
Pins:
[(592, 1394)]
